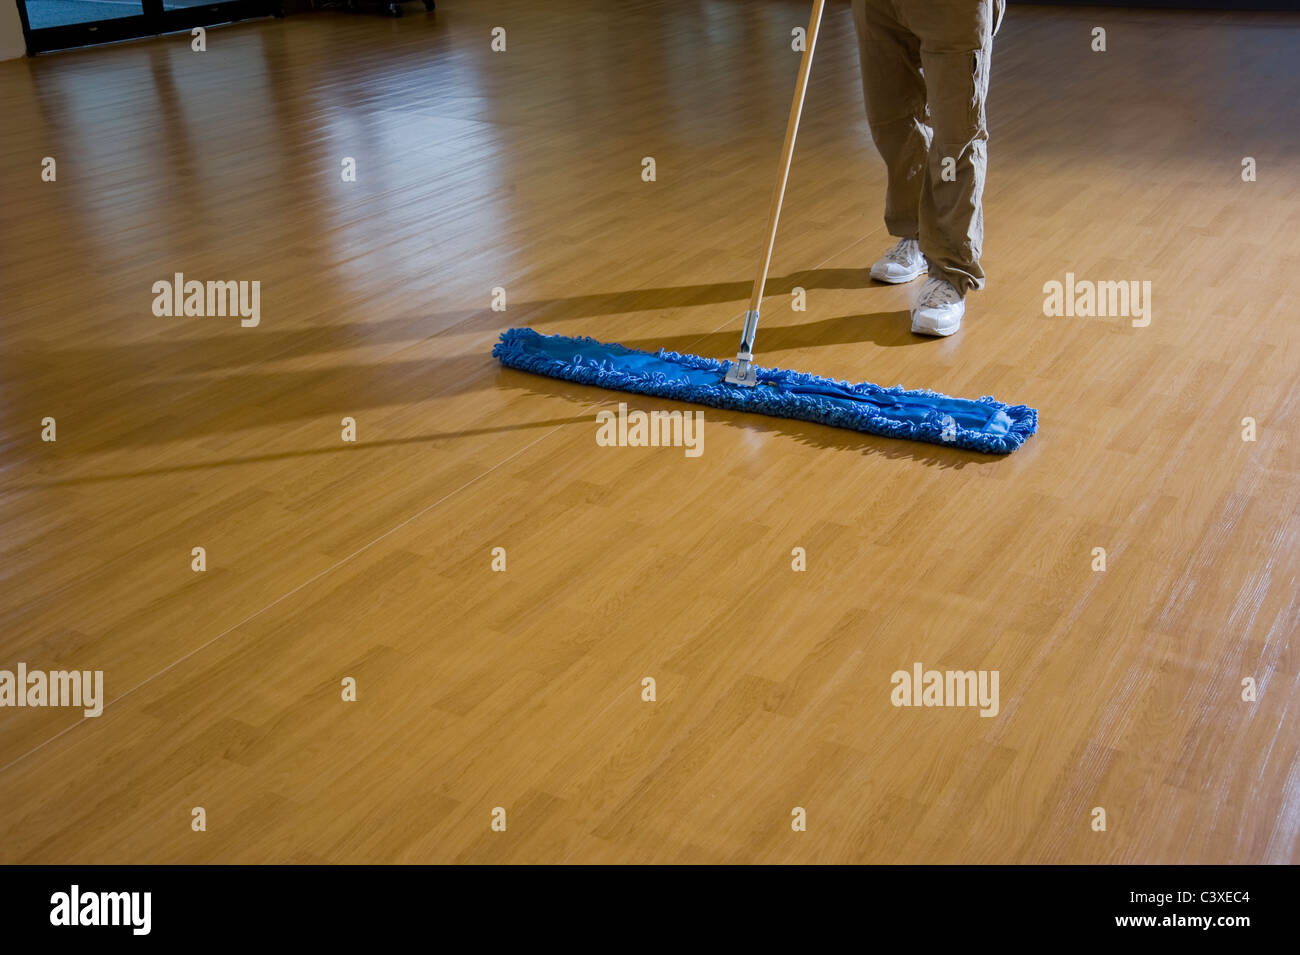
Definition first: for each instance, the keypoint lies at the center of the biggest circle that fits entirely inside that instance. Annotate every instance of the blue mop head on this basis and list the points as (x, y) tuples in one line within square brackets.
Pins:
[(985, 425)]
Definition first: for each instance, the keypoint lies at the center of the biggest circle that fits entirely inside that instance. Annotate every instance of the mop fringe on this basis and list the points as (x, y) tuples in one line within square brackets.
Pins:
[(527, 350)]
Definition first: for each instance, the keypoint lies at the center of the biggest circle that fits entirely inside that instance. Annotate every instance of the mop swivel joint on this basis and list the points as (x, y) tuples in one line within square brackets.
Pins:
[(742, 372)]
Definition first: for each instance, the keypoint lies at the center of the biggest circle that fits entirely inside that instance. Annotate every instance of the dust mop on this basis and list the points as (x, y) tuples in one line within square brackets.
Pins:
[(985, 424)]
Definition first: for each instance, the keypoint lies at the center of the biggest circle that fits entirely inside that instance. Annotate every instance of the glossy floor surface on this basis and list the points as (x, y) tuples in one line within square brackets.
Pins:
[(332, 564)]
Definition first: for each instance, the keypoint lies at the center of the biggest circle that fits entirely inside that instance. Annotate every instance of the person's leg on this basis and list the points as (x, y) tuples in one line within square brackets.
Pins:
[(955, 46), (894, 92)]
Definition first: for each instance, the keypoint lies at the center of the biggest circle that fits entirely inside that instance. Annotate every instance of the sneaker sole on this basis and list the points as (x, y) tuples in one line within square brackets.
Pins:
[(942, 331), (912, 277)]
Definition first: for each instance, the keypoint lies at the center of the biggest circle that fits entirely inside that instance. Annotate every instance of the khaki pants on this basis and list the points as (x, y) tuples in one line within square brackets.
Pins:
[(925, 76)]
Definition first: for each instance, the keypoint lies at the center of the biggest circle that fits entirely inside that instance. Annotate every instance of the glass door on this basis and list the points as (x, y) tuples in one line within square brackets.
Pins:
[(60, 24)]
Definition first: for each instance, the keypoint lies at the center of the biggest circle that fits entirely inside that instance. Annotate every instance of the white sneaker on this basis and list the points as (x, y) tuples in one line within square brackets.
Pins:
[(938, 308), (902, 263)]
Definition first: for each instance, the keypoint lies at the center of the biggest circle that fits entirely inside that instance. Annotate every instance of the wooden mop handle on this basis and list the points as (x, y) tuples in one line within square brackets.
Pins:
[(787, 151)]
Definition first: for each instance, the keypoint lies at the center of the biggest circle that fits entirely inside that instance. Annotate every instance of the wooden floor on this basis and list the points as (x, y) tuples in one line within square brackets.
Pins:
[(1119, 689)]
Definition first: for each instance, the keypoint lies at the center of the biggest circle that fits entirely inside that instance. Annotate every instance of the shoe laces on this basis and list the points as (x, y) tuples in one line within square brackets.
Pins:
[(904, 252), (938, 292)]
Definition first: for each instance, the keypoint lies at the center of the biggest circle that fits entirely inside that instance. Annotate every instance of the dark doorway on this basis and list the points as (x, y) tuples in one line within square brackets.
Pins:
[(60, 24)]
